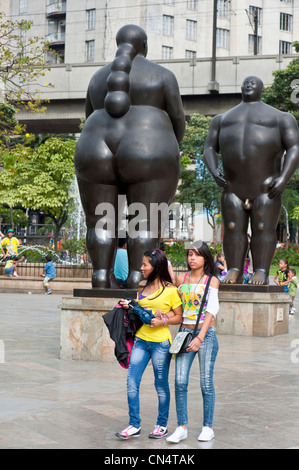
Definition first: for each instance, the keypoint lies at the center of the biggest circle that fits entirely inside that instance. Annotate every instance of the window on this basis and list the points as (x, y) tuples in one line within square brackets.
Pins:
[(90, 51), (223, 8), (251, 42), (56, 57), (287, 1), (168, 25), (192, 4), (91, 18), (191, 30), (168, 2), (190, 54), (285, 47), (253, 11), (286, 22), (222, 38), (167, 52), (23, 6)]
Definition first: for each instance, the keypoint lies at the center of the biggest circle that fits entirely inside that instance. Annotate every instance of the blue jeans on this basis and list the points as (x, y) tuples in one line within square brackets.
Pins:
[(207, 355), (142, 352)]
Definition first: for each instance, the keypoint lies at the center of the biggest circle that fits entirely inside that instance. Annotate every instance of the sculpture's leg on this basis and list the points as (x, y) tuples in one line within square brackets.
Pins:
[(235, 242), (99, 202), (264, 217), (144, 228)]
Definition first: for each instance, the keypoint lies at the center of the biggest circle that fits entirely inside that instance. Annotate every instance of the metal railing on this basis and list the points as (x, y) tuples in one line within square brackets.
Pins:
[(63, 270), (57, 7)]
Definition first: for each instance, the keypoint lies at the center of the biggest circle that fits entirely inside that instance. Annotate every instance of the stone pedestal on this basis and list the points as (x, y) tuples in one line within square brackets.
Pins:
[(84, 335), (244, 310), (253, 311)]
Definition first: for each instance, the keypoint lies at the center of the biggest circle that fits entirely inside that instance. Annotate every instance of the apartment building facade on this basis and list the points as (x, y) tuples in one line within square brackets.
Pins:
[(83, 31)]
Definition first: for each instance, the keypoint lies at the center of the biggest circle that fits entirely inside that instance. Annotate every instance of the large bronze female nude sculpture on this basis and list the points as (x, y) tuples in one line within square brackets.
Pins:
[(128, 146)]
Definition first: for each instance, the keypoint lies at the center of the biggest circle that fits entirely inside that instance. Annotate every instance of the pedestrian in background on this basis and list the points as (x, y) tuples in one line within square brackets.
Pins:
[(48, 274)]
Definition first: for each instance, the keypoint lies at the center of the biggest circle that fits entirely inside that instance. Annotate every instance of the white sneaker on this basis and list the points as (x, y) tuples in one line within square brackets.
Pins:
[(178, 435), (128, 432), (207, 434)]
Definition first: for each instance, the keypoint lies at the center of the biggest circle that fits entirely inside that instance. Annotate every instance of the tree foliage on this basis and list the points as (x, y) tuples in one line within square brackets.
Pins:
[(40, 179), (283, 94), (196, 183), (22, 64)]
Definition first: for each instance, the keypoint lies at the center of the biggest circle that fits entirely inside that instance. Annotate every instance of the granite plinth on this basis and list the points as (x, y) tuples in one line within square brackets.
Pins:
[(83, 334), (244, 311), (97, 292), (253, 310), (250, 288)]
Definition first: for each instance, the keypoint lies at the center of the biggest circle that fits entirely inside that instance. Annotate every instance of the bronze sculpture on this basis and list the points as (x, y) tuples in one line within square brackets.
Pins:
[(128, 147), (252, 138)]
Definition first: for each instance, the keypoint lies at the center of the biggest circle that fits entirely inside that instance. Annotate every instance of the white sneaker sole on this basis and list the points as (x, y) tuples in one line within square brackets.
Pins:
[(206, 439), (175, 441)]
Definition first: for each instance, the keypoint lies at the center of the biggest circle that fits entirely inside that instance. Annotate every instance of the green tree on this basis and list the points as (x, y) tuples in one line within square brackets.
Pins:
[(196, 183), (22, 64), (41, 180), (283, 94)]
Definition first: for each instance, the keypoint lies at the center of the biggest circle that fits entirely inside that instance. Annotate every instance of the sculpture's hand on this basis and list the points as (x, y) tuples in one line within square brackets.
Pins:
[(219, 178), (277, 187)]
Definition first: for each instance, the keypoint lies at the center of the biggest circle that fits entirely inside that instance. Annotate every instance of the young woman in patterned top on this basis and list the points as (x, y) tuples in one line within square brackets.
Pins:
[(191, 287)]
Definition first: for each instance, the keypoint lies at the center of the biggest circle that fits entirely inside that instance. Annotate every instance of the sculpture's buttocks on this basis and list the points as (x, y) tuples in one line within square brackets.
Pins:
[(142, 140)]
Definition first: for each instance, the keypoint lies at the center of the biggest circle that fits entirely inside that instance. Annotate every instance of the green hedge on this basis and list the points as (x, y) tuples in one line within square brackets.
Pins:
[(177, 254), (291, 253)]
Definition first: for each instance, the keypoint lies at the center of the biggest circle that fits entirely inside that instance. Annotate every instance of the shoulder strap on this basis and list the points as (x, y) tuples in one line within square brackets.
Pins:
[(185, 278), (202, 305)]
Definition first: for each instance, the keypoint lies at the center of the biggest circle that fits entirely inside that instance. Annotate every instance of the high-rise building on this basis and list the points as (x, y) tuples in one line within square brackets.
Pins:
[(83, 32), (252, 37)]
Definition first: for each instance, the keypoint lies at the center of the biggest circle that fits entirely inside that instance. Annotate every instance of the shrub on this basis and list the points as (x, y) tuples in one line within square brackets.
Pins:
[(290, 252)]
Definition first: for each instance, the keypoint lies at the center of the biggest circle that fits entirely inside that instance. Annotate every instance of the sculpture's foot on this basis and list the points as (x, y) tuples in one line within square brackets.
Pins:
[(259, 277), (233, 276), (134, 278), (100, 278)]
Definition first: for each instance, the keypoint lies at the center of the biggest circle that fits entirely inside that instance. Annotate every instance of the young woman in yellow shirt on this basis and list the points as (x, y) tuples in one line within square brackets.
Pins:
[(159, 295)]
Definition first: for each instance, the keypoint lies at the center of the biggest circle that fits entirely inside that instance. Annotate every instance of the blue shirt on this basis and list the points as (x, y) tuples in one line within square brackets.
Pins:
[(50, 269), (121, 264)]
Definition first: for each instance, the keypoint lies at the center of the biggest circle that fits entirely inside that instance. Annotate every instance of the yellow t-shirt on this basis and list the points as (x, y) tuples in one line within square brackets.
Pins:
[(11, 245), (168, 300), (8, 264)]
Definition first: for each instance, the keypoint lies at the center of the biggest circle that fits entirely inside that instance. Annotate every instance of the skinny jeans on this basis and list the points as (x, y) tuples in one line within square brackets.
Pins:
[(207, 355), (141, 354)]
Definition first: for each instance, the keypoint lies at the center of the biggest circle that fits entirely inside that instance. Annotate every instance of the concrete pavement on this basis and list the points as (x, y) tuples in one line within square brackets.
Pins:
[(47, 403)]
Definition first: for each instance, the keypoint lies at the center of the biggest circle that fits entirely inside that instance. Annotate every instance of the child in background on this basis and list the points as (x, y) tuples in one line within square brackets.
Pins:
[(49, 273), (292, 283), (220, 265), (282, 275), (10, 266)]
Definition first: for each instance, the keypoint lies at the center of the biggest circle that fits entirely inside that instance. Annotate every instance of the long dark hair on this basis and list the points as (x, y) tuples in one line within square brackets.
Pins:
[(201, 248), (158, 260)]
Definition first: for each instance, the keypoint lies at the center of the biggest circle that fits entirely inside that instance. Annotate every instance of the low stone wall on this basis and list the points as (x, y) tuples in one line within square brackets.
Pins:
[(80, 271), (34, 285)]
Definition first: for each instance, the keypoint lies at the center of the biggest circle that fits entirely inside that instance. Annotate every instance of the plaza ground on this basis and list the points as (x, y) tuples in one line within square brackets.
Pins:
[(47, 403)]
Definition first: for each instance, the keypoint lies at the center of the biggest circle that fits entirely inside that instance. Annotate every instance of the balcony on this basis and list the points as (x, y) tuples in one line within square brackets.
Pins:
[(56, 10), (55, 39)]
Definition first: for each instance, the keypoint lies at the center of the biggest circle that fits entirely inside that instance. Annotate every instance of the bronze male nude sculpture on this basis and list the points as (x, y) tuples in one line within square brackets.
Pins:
[(259, 146), (128, 146)]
